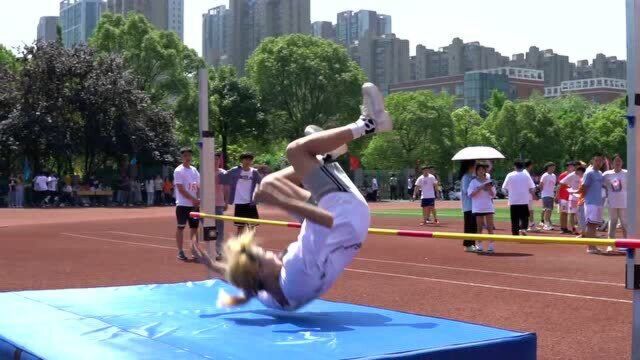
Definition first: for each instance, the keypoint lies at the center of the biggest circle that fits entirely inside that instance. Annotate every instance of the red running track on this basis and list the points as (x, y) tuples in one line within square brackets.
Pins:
[(575, 302)]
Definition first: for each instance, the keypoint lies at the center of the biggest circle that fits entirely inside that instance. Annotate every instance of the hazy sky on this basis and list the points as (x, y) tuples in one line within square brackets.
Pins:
[(578, 28)]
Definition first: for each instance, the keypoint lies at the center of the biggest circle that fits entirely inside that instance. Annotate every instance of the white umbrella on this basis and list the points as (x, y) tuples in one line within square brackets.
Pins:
[(478, 153)]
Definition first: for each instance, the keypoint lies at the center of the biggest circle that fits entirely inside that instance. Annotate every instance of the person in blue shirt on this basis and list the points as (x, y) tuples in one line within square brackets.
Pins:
[(592, 184), (467, 169)]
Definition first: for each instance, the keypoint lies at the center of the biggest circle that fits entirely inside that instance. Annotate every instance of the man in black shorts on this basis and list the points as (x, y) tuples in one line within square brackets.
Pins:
[(241, 182), (187, 181)]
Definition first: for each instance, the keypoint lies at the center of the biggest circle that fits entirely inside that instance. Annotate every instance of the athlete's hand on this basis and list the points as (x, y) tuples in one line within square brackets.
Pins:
[(266, 192)]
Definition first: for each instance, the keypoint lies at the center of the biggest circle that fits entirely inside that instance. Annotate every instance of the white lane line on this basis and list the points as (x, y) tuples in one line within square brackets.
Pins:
[(431, 266), (118, 241), (489, 286), (490, 272), (142, 235), (388, 274)]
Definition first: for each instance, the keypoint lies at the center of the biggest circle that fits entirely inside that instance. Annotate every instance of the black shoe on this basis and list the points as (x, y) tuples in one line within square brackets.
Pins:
[(567, 231), (182, 256), (219, 257)]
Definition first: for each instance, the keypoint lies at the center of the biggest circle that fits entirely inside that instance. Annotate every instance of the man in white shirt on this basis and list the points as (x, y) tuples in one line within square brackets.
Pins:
[(548, 183), (242, 181), (519, 187), (40, 187), (427, 183), (615, 182), (374, 189), (187, 182)]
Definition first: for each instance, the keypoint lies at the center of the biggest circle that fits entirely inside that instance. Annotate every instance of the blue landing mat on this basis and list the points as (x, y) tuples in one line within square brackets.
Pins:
[(180, 321)]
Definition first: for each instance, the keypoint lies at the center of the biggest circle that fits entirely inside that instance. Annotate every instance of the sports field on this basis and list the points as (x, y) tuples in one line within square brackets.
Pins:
[(558, 291)]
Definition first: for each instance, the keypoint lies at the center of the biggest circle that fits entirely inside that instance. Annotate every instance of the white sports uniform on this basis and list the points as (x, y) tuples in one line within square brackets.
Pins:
[(313, 263)]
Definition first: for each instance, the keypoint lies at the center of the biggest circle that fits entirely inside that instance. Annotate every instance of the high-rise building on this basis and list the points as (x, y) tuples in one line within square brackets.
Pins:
[(430, 63), (254, 20), (48, 28), (216, 25), (609, 67), (557, 68), (472, 56), (176, 17), (78, 19), (385, 60), (343, 28), (352, 26), (384, 24), (323, 29), (163, 14)]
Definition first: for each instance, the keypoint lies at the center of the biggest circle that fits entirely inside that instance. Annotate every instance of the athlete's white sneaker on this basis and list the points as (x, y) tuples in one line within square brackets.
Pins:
[(373, 109), (312, 129)]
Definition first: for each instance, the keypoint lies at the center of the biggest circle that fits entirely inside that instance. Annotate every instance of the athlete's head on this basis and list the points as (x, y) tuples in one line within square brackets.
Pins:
[(249, 267), (617, 162)]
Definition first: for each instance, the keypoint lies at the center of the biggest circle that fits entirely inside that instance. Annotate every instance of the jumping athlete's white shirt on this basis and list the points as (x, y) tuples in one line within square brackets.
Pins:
[(41, 183), (427, 184), (313, 263), (243, 188), (190, 179)]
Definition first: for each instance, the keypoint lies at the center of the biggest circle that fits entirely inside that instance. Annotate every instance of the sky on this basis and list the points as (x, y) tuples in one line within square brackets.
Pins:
[(577, 28)]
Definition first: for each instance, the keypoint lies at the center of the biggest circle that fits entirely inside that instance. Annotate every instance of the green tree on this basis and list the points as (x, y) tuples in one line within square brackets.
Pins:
[(163, 65), (76, 105), (606, 131), (8, 60), (305, 80), (467, 127), (423, 132), (238, 114)]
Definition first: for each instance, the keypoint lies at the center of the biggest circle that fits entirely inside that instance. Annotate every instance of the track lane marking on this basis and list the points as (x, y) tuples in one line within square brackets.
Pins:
[(395, 275)]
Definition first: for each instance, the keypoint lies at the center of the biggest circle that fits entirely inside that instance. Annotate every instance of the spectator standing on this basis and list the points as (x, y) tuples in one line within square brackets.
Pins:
[(426, 184), (576, 207), (19, 191), (13, 191), (592, 184), (157, 186), (242, 181), (222, 193), (40, 188), (67, 195), (393, 187), (52, 189), (548, 183), (563, 199), (482, 191), (149, 187), (374, 189), (519, 187), (528, 168), (187, 180), (467, 173), (136, 191), (615, 182), (411, 183), (167, 191)]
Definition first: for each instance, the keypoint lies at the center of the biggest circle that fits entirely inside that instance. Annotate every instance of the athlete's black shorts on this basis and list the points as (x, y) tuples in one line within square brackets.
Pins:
[(182, 215)]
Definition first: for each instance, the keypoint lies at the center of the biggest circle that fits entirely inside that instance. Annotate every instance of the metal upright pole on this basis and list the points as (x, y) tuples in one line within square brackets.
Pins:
[(633, 161), (208, 169)]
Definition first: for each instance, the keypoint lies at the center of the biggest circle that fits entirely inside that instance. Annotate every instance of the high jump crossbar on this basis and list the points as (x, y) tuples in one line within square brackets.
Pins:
[(620, 243)]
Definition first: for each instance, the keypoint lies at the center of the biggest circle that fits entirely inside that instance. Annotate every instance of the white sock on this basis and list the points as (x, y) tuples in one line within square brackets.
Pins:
[(362, 127)]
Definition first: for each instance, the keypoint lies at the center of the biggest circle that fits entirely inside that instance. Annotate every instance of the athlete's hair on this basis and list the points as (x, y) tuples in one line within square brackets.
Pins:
[(242, 266)]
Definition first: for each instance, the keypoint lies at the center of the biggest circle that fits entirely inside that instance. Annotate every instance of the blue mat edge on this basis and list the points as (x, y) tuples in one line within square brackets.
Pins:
[(529, 337)]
